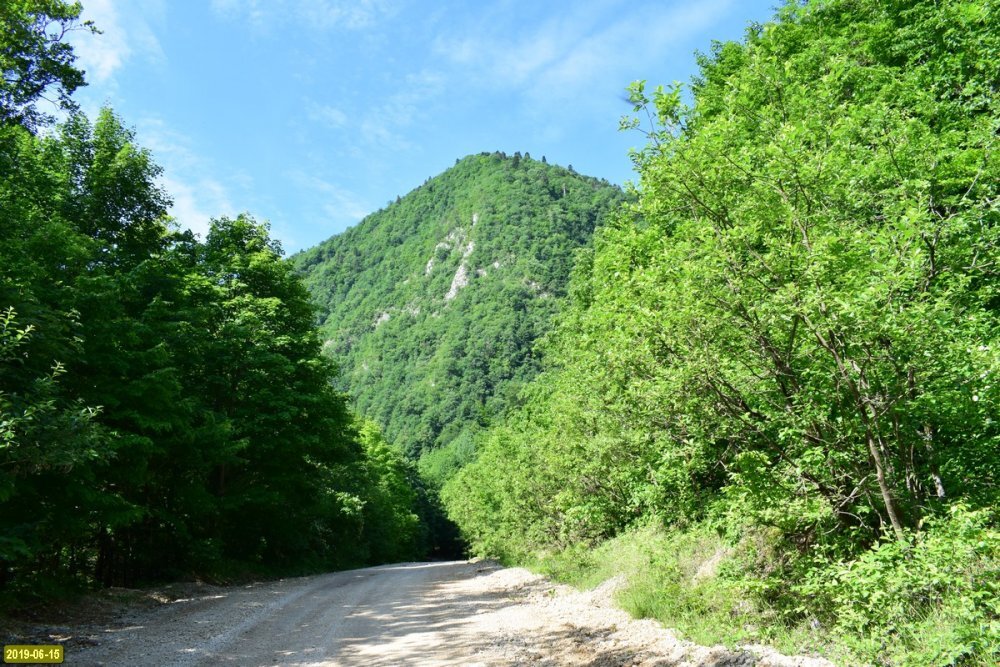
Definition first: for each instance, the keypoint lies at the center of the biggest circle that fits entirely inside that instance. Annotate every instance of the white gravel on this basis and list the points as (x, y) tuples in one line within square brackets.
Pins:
[(451, 613)]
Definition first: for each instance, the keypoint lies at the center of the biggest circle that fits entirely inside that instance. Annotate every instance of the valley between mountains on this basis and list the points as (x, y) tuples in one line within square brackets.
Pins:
[(753, 395)]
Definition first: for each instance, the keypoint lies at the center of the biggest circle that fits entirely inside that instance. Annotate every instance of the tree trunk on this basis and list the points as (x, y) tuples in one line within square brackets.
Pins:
[(890, 503)]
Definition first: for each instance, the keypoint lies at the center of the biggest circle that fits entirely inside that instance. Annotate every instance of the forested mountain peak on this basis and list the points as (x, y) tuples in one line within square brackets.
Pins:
[(431, 305)]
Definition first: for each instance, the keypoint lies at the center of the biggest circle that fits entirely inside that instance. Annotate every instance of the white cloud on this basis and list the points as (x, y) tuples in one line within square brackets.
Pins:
[(196, 203), (353, 14), (123, 35), (226, 6), (340, 205), (326, 115), (188, 178), (250, 10), (314, 14), (198, 191), (586, 46), (100, 55), (170, 149), (377, 132), (382, 123), (385, 123)]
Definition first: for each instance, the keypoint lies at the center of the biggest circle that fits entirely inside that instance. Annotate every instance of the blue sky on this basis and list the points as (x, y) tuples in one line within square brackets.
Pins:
[(314, 113)]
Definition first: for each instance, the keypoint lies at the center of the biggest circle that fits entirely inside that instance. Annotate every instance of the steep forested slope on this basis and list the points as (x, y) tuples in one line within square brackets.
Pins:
[(776, 382), (431, 306)]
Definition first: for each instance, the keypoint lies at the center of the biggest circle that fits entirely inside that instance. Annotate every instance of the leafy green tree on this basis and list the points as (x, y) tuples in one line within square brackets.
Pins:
[(792, 335), (51, 436), (839, 309), (34, 57), (294, 446), (392, 528), (164, 406), (803, 292), (43, 436)]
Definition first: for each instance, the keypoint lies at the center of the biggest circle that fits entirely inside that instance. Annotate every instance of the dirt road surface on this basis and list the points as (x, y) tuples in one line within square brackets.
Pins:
[(427, 614)]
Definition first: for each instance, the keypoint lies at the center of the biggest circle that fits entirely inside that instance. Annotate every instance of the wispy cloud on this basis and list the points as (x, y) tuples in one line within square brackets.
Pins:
[(197, 202), (339, 205), (353, 14), (313, 14), (382, 123), (252, 11), (386, 124), (585, 46), (197, 195), (122, 37), (327, 115), (101, 55)]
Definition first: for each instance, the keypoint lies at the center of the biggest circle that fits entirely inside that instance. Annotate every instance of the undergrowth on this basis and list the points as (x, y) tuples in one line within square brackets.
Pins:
[(932, 600)]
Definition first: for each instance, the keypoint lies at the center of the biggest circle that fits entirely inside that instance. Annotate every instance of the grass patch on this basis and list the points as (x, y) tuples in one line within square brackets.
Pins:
[(694, 583), (671, 577), (932, 600)]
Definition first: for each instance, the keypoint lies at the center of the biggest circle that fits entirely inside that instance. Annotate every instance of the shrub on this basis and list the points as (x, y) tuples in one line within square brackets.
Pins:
[(933, 599)]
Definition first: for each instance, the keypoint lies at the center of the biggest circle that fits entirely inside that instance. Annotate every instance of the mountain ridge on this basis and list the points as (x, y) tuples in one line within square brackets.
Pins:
[(432, 304)]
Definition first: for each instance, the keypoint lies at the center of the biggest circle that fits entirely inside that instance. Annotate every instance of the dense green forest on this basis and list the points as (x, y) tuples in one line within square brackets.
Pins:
[(431, 307), (761, 384), (772, 401), (165, 409)]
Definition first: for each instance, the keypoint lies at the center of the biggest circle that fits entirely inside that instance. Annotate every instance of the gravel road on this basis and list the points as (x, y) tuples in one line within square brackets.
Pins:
[(452, 613)]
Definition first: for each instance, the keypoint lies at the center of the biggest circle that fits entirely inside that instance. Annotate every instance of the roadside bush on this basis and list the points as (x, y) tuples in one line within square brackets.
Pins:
[(683, 585), (933, 599), (681, 579)]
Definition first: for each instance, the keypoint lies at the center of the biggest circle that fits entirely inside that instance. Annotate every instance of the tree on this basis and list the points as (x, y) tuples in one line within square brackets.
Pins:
[(795, 327), (52, 437), (164, 406), (285, 493), (34, 57), (387, 486)]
